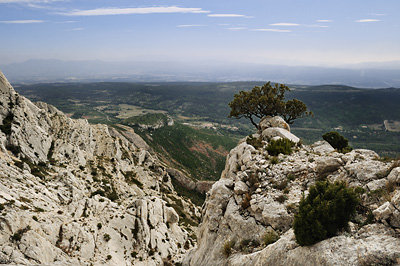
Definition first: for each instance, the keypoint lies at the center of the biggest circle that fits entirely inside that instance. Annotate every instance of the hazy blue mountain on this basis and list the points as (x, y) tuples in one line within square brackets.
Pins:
[(367, 75)]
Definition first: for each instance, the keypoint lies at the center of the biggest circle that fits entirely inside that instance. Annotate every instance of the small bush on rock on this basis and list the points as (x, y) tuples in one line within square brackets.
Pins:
[(107, 237), (337, 141), (325, 211), (270, 237), (280, 146), (18, 235), (274, 160), (227, 248), (255, 142)]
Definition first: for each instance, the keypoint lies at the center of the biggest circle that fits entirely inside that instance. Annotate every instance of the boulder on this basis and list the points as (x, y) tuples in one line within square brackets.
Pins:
[(241, 188), (273, 121), (322, 147), (394, 176), (326, 165), (171, 216), (273, 132), (384, 211), (276, 215), (377, 184)]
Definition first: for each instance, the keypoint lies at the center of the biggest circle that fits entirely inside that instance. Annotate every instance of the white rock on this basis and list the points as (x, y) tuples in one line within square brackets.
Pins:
[(36, 247), (322, 147), (275, 121), (276, 215), (377, 184), (240, 188), (325, 165), (394, 176), (272, 132), (171, 216), (384, 211), (68, 208)]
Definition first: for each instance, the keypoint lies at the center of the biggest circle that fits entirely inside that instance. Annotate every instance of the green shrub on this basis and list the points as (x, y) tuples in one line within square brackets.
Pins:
[(280, 185), (130, 178), (107, 237), (255, 142), (274, 160), (270, 237), (281, 198), (280, 146), (291, 177), (247, 245), (337, 141), (18, 235), (323, 212)]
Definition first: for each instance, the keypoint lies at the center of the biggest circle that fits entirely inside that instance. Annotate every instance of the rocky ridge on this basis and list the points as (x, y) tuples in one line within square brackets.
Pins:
[(72, 193), (254, 202)]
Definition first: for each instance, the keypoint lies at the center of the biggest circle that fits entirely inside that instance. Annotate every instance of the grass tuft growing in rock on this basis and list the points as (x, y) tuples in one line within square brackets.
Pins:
[(227, 249), (270, 237)]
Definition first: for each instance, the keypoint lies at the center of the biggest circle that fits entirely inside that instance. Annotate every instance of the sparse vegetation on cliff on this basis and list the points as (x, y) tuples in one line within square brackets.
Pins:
[(325, 211), (284, 146), (337, 141)]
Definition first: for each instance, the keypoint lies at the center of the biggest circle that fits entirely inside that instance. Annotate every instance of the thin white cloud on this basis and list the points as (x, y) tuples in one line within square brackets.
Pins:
[(21, 21), (367, 20), (27, 1), (377, 14), (272, 30), (226, 16), (188, 26), (316, 26), (134, 10), (76, 29), (66, 22), (238, 28), (285, 24), (325, 20)]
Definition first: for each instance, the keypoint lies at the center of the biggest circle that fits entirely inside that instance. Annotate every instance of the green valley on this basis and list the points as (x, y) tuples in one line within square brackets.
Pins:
[(202, 133)]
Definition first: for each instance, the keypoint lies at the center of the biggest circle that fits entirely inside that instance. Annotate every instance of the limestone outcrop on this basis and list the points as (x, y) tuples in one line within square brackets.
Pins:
[(248, 214), (72, 193)]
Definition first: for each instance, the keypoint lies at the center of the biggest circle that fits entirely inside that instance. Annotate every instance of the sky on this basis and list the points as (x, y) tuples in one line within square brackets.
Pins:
[(291, 32)]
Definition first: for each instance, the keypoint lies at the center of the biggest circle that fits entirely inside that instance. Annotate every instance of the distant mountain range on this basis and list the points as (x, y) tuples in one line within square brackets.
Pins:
[(365, 75)]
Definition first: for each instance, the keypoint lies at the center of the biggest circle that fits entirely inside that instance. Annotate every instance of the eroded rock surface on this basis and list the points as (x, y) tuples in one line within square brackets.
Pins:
[(72, 193)]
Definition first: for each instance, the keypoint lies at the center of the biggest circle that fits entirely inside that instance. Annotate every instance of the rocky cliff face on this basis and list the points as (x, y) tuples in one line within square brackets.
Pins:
[(254, 202), (78, 194)]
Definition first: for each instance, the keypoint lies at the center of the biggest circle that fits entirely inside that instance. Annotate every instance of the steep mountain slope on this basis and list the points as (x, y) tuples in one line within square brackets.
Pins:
[(254, 203), (78, 194)]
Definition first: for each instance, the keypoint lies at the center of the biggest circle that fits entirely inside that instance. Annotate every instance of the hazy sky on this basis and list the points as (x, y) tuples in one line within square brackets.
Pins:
[(318, 32)]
